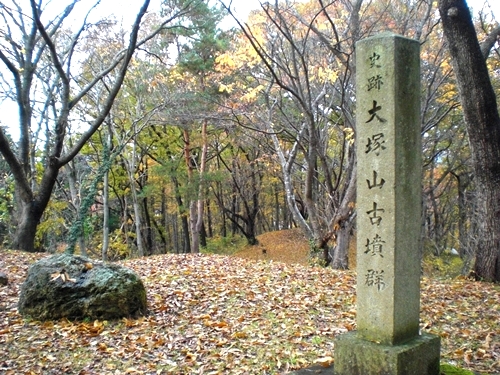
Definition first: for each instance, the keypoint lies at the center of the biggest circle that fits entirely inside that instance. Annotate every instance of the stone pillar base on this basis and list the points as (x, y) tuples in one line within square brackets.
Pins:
[(355, 356)]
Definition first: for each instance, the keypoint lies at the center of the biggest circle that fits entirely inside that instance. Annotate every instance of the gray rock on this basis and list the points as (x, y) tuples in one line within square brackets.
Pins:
[(73, 287), (4, 280)]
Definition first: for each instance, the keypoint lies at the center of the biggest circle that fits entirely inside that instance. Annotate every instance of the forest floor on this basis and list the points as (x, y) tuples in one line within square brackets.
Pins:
[(242, 314)]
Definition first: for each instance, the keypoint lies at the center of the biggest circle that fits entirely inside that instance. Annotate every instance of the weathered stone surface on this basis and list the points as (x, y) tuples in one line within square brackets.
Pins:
[(73, 287), (387, 341), (388, 189), (4, 280), (357, 356)]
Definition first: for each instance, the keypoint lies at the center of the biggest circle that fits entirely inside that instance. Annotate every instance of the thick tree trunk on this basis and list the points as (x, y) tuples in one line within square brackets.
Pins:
[(340, 258), (487, 266), (31, 209), (29, 217), (483, 127)]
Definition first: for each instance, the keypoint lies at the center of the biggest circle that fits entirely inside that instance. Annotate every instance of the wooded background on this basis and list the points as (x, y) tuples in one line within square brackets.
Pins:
[(176, 131)]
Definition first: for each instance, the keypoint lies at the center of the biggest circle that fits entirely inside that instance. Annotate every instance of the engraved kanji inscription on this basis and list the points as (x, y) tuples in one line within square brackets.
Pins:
[(376, 182), (374, 60), (375, 246), (373, 113), (375, 144), (375, 278), (375, 82), (375, 219)]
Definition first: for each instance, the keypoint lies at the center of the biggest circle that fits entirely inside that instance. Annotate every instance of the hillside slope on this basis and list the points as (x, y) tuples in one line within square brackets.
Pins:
[(287, 246)]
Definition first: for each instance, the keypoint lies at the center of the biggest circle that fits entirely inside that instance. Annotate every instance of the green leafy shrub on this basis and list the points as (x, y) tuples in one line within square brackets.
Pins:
[(443, 266)]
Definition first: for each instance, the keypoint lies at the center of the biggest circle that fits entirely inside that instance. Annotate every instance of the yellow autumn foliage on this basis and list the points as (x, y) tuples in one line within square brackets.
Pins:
[(252, 93)]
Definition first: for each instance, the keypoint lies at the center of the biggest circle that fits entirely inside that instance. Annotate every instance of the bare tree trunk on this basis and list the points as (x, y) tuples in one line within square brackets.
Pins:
[(341, 248), (196, 206), (286, 165), (149, 227), (343, 222), (164, 222), (75, 200), (105, 196), (277, 219), (186, 242), (138, 224), (105, 219), (31, 208), (135, 201), (201, 184), (125, 218), (29, 217), (193, 219), (209, 220), (195, 234), (483, 126)]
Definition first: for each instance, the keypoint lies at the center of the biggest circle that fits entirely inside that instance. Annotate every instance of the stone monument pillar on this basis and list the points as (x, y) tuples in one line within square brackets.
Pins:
[(387, 340)]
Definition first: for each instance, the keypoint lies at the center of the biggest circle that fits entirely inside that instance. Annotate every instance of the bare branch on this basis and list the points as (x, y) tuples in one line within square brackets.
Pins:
[(15, 167), (48, 39), (121, 54), (490, 41), (114, 89)]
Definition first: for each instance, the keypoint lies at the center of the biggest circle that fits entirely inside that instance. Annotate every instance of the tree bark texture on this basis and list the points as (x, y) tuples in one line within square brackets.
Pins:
[(29, 217), (483, 126)]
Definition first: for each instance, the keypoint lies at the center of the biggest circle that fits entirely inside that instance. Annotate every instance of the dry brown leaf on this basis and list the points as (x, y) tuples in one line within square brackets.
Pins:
[(228, 315)]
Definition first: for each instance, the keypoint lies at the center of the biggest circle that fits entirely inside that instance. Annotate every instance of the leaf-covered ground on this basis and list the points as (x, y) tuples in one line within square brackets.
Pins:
[(227, 315)]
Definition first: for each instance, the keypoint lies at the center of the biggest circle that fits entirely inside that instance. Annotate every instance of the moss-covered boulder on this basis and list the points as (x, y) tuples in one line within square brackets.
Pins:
[(73, 287)]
